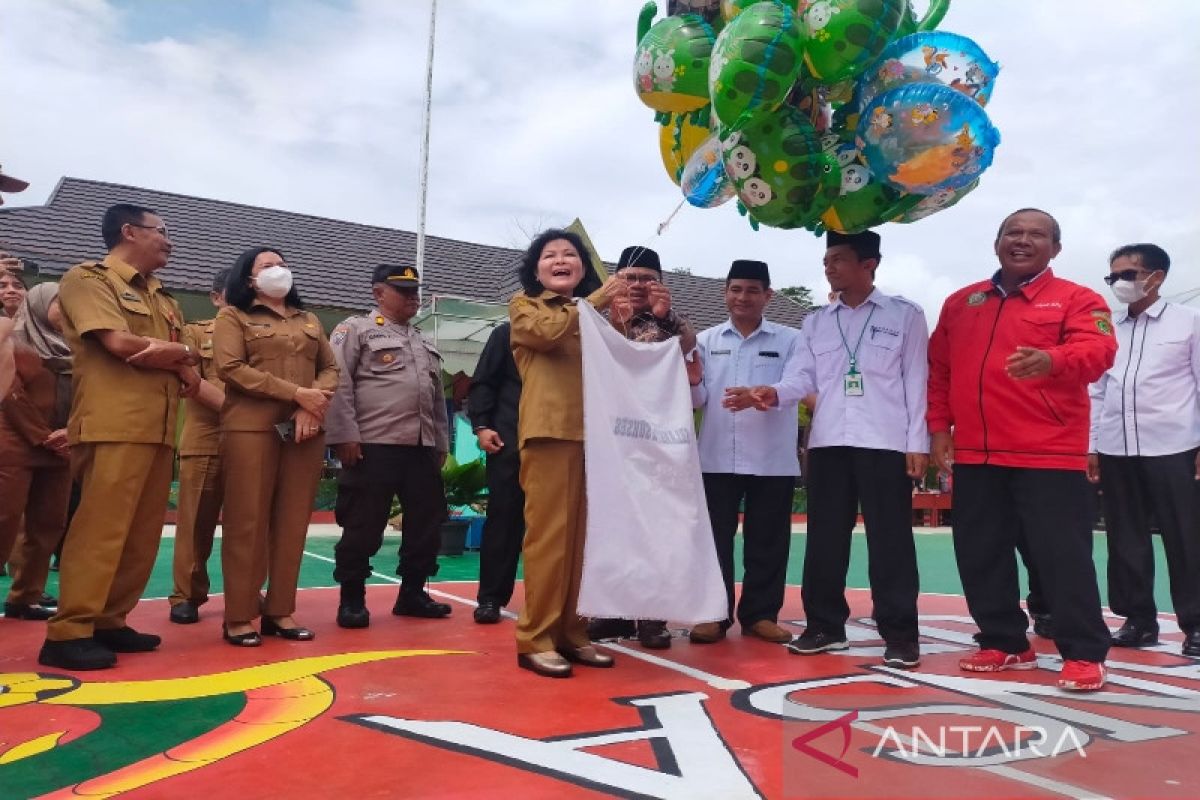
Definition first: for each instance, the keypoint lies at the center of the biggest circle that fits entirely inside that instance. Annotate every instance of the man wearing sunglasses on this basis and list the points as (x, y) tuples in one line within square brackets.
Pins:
[(1145, 448)]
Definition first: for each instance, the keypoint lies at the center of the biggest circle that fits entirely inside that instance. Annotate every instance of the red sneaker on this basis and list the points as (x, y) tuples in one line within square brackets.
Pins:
[(1081, 676), (998, 661)]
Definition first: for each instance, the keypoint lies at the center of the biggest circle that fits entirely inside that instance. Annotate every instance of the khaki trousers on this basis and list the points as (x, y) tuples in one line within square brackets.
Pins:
[(556, 524), (270, 486), (41, 495), (113, 539), (200, 495)]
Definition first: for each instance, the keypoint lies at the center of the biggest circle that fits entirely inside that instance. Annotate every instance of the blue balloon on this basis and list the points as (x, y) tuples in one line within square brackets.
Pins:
[(923, 138), (704, 182), (934, 57)]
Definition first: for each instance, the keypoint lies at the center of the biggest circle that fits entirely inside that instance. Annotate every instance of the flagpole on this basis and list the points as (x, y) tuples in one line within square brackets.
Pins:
[(424, 189)]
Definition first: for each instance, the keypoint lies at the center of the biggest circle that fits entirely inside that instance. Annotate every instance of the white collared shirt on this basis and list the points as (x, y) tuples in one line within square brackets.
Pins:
[(746, 442), (1148, 404), (892, 361)]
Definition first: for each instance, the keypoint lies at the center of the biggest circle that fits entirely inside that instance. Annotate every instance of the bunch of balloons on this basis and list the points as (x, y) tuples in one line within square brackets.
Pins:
[(820, 114)]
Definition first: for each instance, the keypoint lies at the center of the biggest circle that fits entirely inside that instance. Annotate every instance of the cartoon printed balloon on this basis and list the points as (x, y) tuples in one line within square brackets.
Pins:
[(923, 138), (755, 62), (936, 57), (670, 68), (864, 201), (938, 201), (677, 140), (704, 181), (782, 175), (845, 36)]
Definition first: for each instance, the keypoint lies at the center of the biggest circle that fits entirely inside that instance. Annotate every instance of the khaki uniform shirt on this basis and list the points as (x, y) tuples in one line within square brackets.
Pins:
[(549, 356), (26, 419), (390, 390), (201, 425), (263, 359), (114, 401)]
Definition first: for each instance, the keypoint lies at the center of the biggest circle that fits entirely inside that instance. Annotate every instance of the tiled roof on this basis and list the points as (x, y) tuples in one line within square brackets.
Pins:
[(331, 257)]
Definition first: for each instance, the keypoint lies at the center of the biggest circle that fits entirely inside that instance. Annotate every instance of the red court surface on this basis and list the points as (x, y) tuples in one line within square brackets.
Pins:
[(438, 709)]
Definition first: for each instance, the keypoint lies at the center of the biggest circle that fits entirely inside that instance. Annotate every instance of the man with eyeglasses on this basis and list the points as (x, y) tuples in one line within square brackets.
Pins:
[(644, 314), (1145, 448), (130, 369), (1009, 365)]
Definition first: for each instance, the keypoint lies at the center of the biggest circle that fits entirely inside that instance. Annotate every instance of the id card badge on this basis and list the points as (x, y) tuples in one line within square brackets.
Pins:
[(853, 384)]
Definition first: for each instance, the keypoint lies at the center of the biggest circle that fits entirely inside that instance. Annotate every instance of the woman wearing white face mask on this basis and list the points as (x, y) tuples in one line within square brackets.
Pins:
[(279, 374)]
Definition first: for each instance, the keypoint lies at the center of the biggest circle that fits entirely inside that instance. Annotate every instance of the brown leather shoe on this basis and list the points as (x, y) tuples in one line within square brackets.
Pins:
[(588, 656), (548, 665), (767, 630), (706, 633)]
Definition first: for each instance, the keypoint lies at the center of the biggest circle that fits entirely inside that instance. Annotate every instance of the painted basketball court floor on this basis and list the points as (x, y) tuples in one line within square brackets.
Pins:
[(438, 708)]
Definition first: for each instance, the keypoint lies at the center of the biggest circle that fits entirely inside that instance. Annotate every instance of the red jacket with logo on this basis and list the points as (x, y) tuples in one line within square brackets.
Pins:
[(1037, 422)]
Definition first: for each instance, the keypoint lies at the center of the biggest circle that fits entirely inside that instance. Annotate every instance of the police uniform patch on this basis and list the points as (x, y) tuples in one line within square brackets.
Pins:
[(1104, 326), (339, 334), (976, 298)]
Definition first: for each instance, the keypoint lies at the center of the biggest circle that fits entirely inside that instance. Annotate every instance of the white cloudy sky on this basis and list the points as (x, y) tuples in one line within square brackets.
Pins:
[(315, 106)]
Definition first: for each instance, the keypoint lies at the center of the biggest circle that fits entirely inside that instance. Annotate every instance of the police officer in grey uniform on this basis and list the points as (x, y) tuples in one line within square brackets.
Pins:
[(389, 425)]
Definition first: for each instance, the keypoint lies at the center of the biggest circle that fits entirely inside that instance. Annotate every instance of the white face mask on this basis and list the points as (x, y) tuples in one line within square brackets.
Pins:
[(1129, 291), (274, 281)]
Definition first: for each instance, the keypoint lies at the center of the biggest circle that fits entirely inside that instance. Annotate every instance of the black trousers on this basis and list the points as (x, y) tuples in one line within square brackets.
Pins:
[(504, 528), (1133, 486), (364, 501), (993, 507), (841, 479), (766, 539)]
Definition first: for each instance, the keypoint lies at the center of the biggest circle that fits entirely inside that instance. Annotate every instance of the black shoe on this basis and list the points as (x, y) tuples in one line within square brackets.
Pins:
[(812, 642), (18, 611), (419, 604), (184, 613), (126, 640), (1191, 644), (48, 601), (487, 613), (1132, 634), (247, 639), (902, 655), (297, 634), (601, 629), (76, 654), (353, 616), (1043, 625), (653, 634)]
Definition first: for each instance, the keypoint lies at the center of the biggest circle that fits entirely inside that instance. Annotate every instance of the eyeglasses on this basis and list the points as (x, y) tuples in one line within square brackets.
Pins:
[(641, 278), (162, 229), (1123, 275)]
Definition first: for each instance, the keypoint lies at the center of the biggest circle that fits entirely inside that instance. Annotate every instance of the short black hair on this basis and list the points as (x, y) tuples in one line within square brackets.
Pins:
[(220, 278), (117, 217), (238, 291), (1056, 231), (1150, 256), (527, 271)]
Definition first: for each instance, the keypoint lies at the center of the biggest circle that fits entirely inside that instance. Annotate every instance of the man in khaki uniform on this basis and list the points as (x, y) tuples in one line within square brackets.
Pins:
[(129, 372), (200, 489), (389, 424)]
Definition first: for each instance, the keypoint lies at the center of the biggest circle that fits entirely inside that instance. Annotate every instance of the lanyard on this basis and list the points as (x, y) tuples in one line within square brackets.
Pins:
[(853, 353)]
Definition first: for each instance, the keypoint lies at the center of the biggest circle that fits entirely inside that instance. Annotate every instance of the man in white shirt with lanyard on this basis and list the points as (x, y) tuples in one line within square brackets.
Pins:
[(1145, 448), (864, 355), (747, 457)]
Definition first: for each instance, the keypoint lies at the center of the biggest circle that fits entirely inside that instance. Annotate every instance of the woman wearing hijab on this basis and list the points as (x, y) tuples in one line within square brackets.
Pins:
[(35, 476)]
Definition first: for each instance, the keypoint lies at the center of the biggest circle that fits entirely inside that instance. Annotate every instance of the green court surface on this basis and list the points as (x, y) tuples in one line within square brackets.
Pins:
[(935, 555)]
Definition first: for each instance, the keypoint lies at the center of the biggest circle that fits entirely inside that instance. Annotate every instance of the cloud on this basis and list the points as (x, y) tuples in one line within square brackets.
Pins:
[(316, 107)]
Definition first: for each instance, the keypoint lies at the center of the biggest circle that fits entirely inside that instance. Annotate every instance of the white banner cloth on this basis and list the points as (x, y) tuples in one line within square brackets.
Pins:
[(649, 552)]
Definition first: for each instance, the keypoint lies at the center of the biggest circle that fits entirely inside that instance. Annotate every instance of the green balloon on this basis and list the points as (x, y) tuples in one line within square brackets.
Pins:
[(783, 177), (844, 37), (670, 69), (755, 62), (909, 24), (863, 201)]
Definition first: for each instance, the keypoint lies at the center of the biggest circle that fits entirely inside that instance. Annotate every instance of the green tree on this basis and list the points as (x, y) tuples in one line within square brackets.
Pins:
[(800, 295)]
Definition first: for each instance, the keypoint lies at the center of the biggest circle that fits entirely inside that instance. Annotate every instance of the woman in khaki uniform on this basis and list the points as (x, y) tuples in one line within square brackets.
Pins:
[(554, 271), (279, 374), (35, 475)]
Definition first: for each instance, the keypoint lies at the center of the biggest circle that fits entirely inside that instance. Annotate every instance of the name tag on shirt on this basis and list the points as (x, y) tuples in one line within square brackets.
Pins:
[(719, 352), (768, 354)]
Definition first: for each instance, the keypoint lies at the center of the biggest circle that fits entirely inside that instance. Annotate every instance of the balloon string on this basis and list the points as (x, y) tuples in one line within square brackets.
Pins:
[(662, 226)]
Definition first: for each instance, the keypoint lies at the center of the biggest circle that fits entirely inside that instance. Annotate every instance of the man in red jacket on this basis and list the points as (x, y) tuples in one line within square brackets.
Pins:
[(1009, 366)]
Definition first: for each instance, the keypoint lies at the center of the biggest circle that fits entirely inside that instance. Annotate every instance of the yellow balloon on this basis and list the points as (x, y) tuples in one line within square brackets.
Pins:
[(677, 140)]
